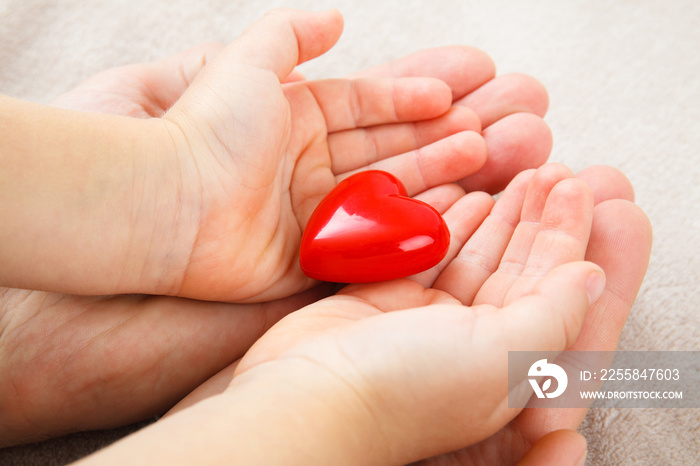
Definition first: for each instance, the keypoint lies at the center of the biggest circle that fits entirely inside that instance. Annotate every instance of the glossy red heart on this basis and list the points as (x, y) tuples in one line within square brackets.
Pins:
[(367, 229)]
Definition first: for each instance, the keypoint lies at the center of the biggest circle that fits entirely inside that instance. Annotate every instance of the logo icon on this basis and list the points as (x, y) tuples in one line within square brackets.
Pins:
[(551, 371)]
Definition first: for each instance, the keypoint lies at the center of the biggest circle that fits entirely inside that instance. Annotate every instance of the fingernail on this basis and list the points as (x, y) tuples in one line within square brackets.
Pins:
[(595, 284)]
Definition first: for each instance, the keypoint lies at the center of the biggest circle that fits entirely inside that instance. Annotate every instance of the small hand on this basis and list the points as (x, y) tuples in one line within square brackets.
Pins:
[(408, 384), (620, 242), (530, 241), (510, 108), (256, 156)]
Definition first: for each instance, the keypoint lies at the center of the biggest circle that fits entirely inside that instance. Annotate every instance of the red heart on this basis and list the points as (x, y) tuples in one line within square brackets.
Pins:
[(367, 229)]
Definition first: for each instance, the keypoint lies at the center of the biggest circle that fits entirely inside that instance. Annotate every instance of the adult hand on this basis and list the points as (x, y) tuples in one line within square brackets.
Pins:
[(510, 108), (620, 243), (75, 363)]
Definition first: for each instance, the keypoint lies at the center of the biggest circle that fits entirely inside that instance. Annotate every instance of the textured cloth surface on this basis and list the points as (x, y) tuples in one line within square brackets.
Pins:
[(624, 88)]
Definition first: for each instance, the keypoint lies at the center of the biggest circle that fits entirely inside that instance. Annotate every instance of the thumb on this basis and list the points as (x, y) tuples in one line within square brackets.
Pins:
[(237, 102), (244, 78), (555, 309), (284, 38)]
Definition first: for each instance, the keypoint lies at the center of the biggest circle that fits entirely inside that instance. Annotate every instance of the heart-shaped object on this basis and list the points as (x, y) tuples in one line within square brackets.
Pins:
[(367, 229)]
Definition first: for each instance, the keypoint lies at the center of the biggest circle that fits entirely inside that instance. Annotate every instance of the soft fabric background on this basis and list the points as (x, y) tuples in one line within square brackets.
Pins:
[(624, 87)]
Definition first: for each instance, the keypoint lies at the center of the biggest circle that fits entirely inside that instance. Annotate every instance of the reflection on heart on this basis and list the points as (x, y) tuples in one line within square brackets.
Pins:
[(367, 229)]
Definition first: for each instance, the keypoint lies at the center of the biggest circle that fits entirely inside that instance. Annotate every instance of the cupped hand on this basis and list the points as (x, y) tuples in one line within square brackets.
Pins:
[(336, 128), (402, 372), (620, 243), (251, 156)]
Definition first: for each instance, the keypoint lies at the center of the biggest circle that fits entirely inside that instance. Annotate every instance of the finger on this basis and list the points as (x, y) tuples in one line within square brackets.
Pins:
[(462, 68), (556, 305), (441, 197), (607, 183), (461, 215), (254, 65), (563, 235), (283, 39), (348, 104), (480, 256), (515, 143), (444, 161), (506, 95), (620, 243), (167, 79), (561, 447), (462, 218), (354, 149), (514, 260), (621, 240), (543, 181)]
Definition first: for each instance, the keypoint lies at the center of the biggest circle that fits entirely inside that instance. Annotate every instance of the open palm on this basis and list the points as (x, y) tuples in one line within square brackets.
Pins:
[(415, 371), (253, 157), (264, 154)]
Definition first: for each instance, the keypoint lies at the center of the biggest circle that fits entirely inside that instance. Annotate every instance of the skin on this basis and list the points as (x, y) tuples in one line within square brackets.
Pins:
[(41, 411), (209, 201), (411, 370), (102, 352)]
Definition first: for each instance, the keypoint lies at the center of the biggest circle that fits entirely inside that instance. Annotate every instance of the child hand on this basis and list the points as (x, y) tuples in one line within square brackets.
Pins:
[(258, 157), (509, 106), (395, 372), (210, 200)]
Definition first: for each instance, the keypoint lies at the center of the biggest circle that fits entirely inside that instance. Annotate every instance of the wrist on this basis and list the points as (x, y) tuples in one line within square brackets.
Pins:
[(163, 212), (263, 420), (88, 201)]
